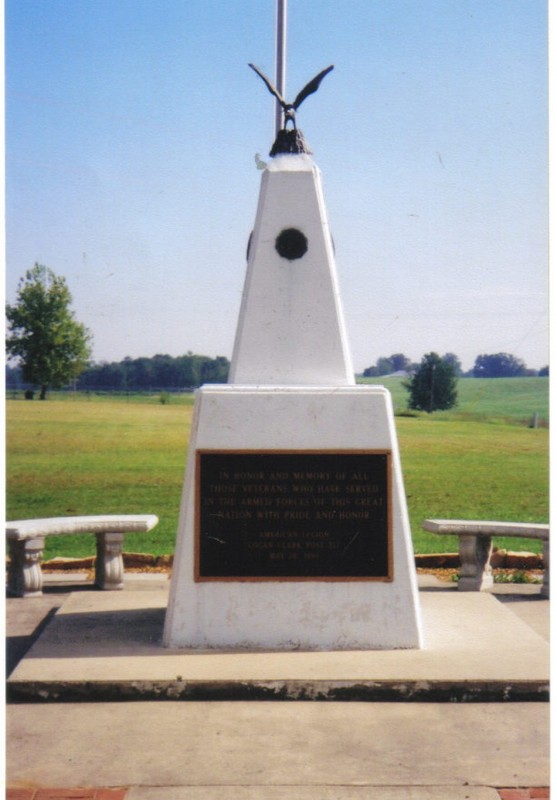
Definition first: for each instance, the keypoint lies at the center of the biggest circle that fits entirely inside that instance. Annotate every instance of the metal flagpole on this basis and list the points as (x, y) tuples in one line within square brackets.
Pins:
[(280, 81)]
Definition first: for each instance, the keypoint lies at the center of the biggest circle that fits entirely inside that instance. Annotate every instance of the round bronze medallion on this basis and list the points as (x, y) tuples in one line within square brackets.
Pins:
[(291, 244)]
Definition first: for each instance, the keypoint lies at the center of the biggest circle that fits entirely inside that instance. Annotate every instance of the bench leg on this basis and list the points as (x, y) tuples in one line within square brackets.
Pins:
[(109, 566), (545, 584), (475, 569), (25, 578)]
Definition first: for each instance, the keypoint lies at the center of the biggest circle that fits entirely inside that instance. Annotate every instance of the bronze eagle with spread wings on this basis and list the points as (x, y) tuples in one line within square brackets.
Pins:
[(291, 108)]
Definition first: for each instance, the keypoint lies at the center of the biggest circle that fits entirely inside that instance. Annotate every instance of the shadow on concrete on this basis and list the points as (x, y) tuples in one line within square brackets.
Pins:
[(17, 646), (94, 634)]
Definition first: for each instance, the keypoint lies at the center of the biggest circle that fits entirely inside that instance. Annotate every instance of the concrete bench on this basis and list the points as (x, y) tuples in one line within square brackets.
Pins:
[(475, 546), (26, 544)]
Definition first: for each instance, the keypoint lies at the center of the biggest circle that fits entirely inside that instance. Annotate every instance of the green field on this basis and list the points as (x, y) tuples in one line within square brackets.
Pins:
[(91, 455), (495, 400)]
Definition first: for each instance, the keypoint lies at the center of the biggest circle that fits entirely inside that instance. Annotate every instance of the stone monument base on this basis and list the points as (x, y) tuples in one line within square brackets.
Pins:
[(293, 531)]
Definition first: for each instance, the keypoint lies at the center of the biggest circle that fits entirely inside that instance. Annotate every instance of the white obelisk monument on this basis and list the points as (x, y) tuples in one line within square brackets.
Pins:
[(293, 531)]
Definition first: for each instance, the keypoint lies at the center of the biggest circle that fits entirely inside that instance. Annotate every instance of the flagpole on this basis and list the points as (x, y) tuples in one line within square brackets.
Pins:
[(280, 81)]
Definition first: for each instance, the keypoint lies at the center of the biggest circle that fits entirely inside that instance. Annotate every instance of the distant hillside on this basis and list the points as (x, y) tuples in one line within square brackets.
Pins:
[(509, 399)]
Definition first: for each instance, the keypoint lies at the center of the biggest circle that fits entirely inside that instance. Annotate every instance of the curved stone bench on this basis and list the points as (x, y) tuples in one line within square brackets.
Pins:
[(26, 545), (475, 546)]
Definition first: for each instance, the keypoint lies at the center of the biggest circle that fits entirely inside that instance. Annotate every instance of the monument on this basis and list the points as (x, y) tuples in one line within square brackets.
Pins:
[(293, 530)]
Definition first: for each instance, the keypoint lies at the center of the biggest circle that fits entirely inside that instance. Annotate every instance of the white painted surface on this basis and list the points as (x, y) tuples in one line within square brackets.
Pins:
[(291, 329), (289, 615)]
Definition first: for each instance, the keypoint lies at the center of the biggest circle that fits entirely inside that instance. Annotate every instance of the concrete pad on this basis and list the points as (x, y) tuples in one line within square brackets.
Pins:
[(107, 646), (312, 793), (25, 619), (286, 745), (61, 578), (533, 610)]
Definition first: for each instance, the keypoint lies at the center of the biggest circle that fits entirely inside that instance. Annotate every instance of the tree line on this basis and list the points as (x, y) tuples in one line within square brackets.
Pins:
[(50, 348), (161, 372), (493, 365)]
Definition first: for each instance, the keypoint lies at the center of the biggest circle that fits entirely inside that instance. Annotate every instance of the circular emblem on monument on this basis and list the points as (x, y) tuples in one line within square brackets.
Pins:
[(291, 244)]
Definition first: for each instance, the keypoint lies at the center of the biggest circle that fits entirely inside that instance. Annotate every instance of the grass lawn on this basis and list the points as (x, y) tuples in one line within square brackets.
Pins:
[(473, 470), (127, 455), (109, 457)]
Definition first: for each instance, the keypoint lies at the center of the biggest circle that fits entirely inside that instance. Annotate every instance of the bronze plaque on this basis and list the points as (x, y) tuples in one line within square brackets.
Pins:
[(293, 516)]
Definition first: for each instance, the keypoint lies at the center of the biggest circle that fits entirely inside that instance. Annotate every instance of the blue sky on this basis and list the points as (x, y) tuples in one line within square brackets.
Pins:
[(131, 132)]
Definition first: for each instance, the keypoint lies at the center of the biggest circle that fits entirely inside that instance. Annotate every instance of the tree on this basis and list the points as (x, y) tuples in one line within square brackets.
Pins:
[(43, 334), (498, 365), (433, 386), (215, 370), (450, 358), (397, 362)]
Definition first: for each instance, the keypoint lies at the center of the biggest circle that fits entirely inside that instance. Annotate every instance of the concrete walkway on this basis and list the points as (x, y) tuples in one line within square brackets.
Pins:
[(269, 750)]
